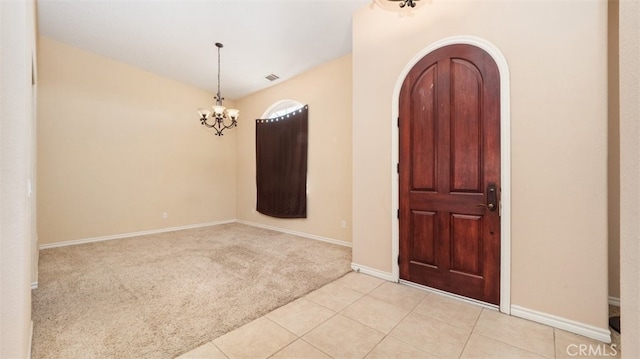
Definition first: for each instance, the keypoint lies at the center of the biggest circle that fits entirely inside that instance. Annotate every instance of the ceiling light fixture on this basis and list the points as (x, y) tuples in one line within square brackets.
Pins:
[(403, 3), (220, 113)]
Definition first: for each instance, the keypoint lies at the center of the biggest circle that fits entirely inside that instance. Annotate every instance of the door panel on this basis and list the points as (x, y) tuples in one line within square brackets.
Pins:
[(424, 229), (466, 244), (449, 155), (466, 127)]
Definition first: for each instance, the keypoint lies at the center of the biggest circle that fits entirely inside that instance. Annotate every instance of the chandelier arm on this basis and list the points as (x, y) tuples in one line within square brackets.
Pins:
[(219, 125), (231, 125), (204, 122), (221, 122)]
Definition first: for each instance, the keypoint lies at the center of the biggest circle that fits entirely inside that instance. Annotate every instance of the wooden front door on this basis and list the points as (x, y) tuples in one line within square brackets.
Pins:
[(450, 173)]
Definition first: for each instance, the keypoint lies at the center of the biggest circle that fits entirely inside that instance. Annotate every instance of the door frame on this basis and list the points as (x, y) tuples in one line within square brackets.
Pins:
[(505, 160)]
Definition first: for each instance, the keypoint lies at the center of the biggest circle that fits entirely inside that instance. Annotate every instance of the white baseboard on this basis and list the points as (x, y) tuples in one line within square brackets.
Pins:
[(132, 234), (295, 233), (373, 272), (615, 301), (601, 334)]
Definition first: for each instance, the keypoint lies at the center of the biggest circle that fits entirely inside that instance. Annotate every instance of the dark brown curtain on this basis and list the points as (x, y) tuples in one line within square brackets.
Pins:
[(281, 165)]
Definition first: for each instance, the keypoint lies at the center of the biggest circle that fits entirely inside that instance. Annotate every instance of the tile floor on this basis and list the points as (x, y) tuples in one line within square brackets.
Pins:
[(359, 316)]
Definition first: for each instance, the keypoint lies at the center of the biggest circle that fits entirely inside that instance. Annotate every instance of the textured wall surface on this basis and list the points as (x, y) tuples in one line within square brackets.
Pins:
[(630, 177), (119, 146), (17, 44)]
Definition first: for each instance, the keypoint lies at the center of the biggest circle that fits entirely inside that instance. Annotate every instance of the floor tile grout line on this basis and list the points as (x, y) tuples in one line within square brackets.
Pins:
[(517, 346), (319, 324), (331, 309), (335, 313), (413, 310), (375, 346), (385, 335), (436, 319), (411, 345), (286, 345), (442, 321), (400, 340), (555, 344), (327, 354), (366, 325), (405, 317), (357, 291), (223, 353), (473, 328), (314, 327), (389, 302), (357, 321), (514, 346), (278, 324)]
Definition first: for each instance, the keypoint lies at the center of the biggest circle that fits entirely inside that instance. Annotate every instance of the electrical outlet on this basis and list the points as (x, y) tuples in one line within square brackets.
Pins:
[(343, 224), (165, 215)]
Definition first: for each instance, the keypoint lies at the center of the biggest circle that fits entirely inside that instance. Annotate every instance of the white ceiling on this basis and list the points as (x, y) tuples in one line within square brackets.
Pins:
[(175, 38)]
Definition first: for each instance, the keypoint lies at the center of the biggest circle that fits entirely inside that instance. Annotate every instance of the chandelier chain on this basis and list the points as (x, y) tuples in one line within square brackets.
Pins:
[(219, 96)]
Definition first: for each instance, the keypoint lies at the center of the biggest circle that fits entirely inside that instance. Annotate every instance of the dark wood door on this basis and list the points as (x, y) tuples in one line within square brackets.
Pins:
[(450, 173)]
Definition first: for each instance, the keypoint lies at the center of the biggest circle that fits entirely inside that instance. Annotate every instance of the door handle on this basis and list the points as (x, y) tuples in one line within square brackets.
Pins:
[(489, 206), (492, 198)]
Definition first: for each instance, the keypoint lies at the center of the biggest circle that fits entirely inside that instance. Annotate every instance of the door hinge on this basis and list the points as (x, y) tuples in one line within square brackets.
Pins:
[(398, 121), (398, 214), (398, 260), (398, 167)]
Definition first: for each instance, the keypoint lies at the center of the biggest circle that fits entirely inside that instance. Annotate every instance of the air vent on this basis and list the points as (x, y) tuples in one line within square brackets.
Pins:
[(272, 77)]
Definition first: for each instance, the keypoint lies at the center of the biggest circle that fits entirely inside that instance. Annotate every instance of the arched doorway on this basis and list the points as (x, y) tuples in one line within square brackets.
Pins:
[(469, 229)]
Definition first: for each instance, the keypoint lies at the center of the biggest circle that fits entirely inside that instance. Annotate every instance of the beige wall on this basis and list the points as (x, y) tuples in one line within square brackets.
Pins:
[(17, 44), (327, 91), (556, 52), (630, 177), (613, 159), (118, 146)]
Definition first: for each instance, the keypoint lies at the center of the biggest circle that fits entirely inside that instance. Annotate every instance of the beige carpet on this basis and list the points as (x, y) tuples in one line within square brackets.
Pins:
[(158, 296)]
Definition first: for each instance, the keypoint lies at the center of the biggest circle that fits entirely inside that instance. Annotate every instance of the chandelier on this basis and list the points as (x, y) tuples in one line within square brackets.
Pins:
[(221, 116), (403, 3)]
